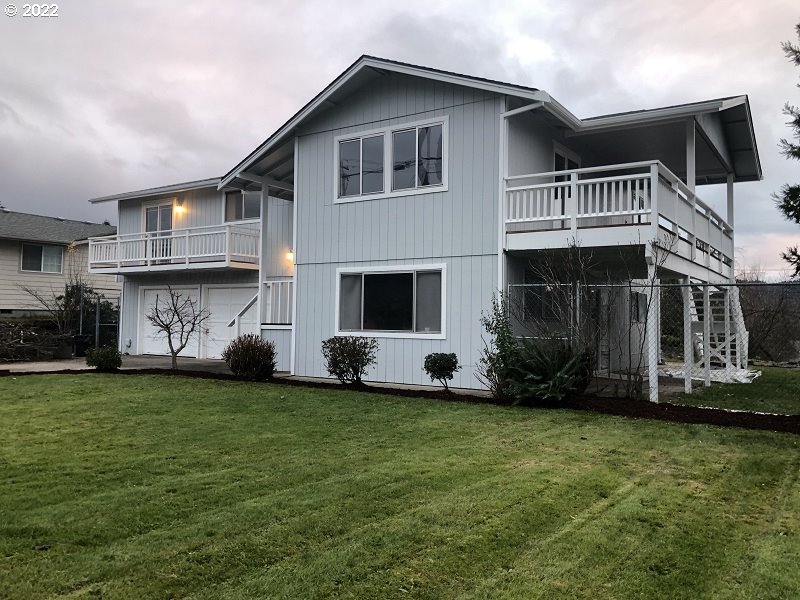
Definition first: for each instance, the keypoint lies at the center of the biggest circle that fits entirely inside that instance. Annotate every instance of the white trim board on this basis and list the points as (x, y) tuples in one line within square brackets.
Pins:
[(386, 132), (406, 268)]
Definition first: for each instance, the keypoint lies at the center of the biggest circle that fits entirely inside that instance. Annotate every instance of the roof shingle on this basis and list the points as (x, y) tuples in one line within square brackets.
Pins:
[(38, 228)]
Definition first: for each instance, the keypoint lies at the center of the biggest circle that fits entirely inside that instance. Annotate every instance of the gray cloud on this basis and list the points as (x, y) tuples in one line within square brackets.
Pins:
[(113, 96)]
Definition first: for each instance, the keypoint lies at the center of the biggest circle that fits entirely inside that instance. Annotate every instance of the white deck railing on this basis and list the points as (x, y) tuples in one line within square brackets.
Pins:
[(226, 244), (619, 195)]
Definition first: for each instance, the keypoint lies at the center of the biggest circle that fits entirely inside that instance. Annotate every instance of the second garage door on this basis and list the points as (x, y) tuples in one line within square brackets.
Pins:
[(224, 303)]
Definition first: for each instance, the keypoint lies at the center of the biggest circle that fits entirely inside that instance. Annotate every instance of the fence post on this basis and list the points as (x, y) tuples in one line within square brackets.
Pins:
[(688, 348), (728, 362), (651, 331), (706, 335), (80, 318), (97, 323)]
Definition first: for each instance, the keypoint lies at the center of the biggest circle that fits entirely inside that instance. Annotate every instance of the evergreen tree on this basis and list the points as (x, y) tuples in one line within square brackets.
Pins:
[(788, 199)]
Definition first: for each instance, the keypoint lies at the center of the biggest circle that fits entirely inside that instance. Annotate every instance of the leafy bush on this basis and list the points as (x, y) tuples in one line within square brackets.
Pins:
[(549, 370), (500, 353), (105, 359), (250, 357), (347, 357), (441, 366)]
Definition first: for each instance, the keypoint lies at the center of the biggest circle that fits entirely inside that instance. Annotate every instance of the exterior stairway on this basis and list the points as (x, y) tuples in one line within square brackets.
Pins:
[(727, 336)]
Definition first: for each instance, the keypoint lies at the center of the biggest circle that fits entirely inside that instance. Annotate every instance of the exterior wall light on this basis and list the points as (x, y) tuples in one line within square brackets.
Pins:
[(290, 256)]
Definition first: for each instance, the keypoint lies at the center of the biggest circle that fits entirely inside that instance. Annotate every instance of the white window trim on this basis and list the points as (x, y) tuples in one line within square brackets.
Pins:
[(387, 192), (440, 335), (41, 271), (223, 193), (162, 202)]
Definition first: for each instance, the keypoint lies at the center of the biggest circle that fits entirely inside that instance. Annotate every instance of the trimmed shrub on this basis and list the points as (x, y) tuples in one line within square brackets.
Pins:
[(441, 366), (105, 359), (500, 353), (250, 357), (549, 370), (348, 357)]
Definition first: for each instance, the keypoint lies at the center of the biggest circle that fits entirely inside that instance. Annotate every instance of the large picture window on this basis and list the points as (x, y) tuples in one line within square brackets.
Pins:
[(393, 161), (240, 206), (43, 259), (361, 166), (403, 301)]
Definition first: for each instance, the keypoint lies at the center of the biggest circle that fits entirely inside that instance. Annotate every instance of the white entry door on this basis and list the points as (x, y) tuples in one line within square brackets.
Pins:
[(154, 342), (224, 303)]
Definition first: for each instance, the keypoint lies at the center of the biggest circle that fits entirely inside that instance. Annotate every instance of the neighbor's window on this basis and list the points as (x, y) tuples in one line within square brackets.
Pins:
[(361, 166), (239, 206), (44, 259), (402, 301), (417, 157)]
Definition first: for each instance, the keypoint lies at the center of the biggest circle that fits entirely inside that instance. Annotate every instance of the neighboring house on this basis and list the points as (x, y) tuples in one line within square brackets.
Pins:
[(406, 197), (43, 254)]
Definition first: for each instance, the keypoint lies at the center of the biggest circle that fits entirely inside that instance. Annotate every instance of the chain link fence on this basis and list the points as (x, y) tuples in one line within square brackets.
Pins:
[(733, 346)]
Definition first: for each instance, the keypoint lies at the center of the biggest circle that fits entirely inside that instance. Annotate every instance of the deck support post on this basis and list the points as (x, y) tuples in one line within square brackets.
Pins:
[(691, 172), (651, 333), (688, 347)]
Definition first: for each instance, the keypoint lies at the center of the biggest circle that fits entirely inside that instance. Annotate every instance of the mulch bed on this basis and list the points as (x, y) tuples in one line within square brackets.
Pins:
[(638, 409)]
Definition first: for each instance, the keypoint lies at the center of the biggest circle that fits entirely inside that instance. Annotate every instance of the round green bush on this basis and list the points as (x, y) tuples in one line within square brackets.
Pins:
[(104, 359), (250, 357)]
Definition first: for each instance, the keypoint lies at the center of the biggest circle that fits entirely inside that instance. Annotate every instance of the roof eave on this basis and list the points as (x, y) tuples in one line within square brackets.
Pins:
[(167, 189), (378, 63)]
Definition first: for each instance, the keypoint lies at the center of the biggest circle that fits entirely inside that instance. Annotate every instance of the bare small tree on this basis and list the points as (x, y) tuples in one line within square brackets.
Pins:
[(177, 318)]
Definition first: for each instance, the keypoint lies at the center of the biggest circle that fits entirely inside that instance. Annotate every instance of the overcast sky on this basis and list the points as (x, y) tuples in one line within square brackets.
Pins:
[(113, 96)]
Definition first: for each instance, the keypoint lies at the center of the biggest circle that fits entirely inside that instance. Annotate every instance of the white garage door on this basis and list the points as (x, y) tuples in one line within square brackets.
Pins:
[(154, 342), (224, 303)]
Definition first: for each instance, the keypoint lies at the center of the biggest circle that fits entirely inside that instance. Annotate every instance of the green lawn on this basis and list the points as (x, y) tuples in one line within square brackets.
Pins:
[(777, 390), (159, 487)]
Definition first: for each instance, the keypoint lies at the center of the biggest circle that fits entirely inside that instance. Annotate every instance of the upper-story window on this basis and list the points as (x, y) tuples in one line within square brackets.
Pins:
[(417, 157), (361, 166), (393, 161), (240, 206), (42, 259)]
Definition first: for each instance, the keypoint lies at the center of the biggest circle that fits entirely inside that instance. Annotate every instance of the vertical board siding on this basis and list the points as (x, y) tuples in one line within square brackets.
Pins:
[(282, 338), (457, 227), (276, 239), (203, 208)]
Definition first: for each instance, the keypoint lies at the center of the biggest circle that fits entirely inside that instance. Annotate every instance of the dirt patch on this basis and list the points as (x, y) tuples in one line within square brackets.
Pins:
[(637, 409)]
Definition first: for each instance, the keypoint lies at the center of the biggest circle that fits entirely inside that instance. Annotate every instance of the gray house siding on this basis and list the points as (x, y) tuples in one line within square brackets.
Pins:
[(203, 208), (457, 227), (276, 241)]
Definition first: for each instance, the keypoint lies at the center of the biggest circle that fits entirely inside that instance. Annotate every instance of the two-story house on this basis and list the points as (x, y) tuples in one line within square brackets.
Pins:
[(401, 198)]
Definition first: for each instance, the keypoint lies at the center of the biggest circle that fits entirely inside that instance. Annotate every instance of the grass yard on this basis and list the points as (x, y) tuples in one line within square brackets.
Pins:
[(777, 390), (160, 487)]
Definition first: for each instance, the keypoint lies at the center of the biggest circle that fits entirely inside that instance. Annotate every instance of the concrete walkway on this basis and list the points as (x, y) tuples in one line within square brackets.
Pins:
[(128, 363)]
